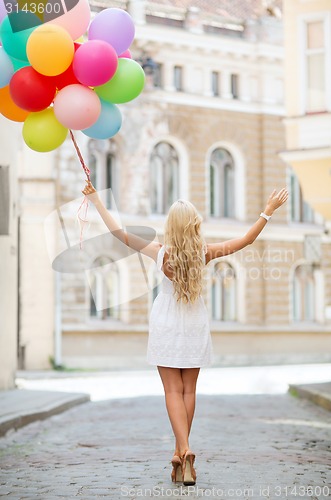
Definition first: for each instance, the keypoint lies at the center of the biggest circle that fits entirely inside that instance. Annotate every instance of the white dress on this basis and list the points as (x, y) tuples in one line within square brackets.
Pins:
[(179, 333)]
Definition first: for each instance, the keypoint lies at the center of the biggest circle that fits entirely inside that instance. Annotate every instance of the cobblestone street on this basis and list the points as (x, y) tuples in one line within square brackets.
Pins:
[(247, 446)]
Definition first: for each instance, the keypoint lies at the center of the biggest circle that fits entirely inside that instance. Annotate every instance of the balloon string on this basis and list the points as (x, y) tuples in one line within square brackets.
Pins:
[(81, 159), (84, 205)]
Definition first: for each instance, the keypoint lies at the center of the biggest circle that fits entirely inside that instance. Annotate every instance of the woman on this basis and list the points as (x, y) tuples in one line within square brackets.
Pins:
[(179, 341)]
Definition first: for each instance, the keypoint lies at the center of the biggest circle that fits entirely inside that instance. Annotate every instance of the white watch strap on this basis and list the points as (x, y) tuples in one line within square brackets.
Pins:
[(265, 216)]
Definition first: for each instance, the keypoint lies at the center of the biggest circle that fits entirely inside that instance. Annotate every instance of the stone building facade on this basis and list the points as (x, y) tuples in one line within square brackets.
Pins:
[(209, 128)]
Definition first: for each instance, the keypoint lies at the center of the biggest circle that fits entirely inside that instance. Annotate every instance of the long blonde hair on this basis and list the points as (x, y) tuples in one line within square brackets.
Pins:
[(185, 244)]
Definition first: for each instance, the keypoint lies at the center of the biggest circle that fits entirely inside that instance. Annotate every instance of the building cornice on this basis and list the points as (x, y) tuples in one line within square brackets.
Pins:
[(216, 103), (304, 154)]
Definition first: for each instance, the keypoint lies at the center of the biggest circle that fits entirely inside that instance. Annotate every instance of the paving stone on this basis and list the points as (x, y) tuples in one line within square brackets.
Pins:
[(268, 446)]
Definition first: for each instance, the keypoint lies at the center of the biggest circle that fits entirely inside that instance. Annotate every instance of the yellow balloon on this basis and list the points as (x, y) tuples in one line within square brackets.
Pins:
[(42, 132), (50, 49)]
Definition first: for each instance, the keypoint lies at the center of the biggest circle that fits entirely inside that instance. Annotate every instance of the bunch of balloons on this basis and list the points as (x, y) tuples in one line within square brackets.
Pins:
[(53, 81)]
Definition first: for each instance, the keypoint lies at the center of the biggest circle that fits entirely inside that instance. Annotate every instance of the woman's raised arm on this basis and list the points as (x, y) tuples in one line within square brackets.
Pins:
[(215, 250), (146, 247)]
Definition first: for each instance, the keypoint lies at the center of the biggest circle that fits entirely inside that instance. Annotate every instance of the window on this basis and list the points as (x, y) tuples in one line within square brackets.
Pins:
[(235, 86), (222, 184), (223, 292), (178, 78), (164, 169), (303, 298), (315, 67), (102, 165), (165, 21), (215, 83), (104, 289), (153, 72), (158, 76), (109, 181), (301, 211)]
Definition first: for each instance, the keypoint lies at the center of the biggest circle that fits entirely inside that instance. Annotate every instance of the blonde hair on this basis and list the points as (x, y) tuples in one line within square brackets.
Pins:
[(185, 244)]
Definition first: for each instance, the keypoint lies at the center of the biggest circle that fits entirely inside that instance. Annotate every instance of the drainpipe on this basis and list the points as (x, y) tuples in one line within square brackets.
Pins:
[(57, 275), (58, 321)]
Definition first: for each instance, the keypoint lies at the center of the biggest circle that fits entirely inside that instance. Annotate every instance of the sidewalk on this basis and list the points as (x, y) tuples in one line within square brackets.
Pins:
[(19, 407), (319, 394)]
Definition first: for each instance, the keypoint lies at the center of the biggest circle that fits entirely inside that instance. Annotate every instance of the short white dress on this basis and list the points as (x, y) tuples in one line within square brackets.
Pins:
[(179, 333)]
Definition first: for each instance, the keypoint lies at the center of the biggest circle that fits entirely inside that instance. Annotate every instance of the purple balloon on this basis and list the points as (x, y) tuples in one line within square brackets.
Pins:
[(114, 26), (3, 11)]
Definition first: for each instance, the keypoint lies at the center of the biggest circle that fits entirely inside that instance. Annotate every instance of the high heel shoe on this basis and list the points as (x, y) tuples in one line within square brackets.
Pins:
[(176, 473), (188, 470)]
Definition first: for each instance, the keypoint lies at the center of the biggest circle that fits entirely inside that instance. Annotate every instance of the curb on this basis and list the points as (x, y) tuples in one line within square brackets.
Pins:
[(320, 394), (54, 403)]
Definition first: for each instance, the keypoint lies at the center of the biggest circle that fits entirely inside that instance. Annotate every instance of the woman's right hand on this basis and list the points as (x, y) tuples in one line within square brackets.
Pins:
[(276, 200), (91, 192)]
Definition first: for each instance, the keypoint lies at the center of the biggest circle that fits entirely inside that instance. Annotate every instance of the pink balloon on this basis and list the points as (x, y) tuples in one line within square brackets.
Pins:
[(75, 20), (95, 63), (127, 54), (77, 107)]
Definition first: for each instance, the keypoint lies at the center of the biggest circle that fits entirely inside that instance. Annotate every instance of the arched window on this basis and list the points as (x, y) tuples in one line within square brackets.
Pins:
[(301, 211), (102, 164), (104, 289), (222, 196), (304, 290), (164, 169), (223, 292)]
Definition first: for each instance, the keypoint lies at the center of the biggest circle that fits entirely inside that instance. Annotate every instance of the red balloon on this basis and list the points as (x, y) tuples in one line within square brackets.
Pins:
[(30, 90), (68, 77)]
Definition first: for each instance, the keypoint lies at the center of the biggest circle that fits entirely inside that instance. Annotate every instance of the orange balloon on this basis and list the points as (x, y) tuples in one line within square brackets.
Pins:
[(9, 109), (50, 49)]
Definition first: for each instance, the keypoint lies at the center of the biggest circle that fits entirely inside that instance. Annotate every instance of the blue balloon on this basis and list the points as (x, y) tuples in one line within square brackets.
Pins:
[(6, 68), (108, 123)]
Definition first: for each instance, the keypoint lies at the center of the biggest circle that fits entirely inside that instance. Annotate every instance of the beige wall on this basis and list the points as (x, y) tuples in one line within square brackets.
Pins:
[(9, 138), (37, 199), (116, 349)]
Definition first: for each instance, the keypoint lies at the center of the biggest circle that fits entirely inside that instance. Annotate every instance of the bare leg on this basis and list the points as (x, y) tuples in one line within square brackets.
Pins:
[(189, 377), (180, 386), (174, 397)]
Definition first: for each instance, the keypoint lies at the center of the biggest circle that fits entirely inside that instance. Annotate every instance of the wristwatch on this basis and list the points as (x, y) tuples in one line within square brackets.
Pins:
[(265, 216)]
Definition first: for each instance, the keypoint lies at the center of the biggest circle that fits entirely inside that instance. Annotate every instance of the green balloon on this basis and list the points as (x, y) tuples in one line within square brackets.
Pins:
[(42, 132), (125, 85), (14, 33)]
